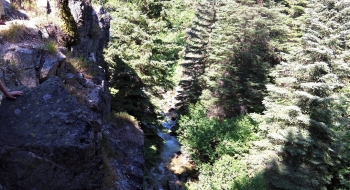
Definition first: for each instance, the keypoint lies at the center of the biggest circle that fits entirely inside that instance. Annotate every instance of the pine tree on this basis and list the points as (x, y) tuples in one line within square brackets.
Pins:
[(304, 108), (143, 52), (140, 44), (194, 62), (245, 42)]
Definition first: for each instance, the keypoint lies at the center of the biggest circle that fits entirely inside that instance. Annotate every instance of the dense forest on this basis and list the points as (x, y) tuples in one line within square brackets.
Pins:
[(263, 86)]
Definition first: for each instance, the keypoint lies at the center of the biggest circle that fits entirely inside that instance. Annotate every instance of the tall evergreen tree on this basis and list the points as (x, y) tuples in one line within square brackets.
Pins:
[(195, 58), (245, 42), (140, 43), (304, 114)]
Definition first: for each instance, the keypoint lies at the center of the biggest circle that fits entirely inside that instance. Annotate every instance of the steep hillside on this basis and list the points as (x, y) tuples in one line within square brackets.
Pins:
[(60, 133)]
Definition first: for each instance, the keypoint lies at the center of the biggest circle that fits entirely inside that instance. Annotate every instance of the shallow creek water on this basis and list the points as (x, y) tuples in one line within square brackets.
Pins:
[(169, 174)]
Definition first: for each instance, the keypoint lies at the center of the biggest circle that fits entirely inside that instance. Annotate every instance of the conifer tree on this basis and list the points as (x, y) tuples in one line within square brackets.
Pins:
[(139, 43), (305, 105), (145, 41), (244, 44), (194, 62)]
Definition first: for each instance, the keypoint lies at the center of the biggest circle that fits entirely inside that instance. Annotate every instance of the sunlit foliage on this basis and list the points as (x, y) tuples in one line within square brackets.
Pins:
[(143, 52), (268, 81), (304, 118), (218, 148)]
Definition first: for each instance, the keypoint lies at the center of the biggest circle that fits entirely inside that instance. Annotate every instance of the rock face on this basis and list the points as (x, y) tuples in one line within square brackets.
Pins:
[(49, 141), (93, 25), (123, 156), (57, 135)]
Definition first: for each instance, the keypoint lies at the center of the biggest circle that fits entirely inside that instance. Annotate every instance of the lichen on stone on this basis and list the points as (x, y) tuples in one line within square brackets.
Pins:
[(69, 28)]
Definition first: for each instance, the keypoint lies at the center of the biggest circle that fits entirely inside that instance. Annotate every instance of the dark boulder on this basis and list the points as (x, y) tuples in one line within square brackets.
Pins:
[(123, 157), (48, 140)]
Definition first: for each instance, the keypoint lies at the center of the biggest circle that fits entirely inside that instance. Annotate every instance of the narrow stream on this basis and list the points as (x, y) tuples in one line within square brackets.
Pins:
[(169, 173), (172, 145)]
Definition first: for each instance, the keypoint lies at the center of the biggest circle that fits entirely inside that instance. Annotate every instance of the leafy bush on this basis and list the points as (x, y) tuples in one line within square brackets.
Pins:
[(228, 173), (218, 148), (209, 139)]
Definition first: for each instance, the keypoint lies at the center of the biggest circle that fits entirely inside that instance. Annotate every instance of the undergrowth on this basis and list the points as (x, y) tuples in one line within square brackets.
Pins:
[(15, 32), (218, 148)]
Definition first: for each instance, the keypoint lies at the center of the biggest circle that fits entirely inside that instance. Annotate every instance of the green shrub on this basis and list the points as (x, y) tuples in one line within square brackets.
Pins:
[(208, 139), (228, 172), (218, 148), (50, 46)]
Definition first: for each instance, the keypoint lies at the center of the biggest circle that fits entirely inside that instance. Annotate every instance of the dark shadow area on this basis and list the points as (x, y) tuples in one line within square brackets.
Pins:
[(131, 98), (240, 77)]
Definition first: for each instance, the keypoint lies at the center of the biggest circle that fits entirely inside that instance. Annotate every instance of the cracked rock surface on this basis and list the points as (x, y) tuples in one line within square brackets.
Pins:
[(47, 141)]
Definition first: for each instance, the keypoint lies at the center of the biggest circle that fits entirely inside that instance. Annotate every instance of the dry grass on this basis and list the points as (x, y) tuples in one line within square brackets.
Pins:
[(180, 164), (123, 118), (81, 65), (30, 7), (44, 20), (15, 32)]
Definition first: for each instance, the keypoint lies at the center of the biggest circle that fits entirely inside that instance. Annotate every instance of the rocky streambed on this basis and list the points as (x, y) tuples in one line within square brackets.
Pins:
[(171, 172)]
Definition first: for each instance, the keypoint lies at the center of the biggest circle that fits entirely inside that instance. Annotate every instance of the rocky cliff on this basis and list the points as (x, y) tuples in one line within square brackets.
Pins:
[(60, 134)]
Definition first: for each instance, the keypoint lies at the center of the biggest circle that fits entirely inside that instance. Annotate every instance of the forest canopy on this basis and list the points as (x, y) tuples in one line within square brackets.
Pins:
[(264, 86)]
